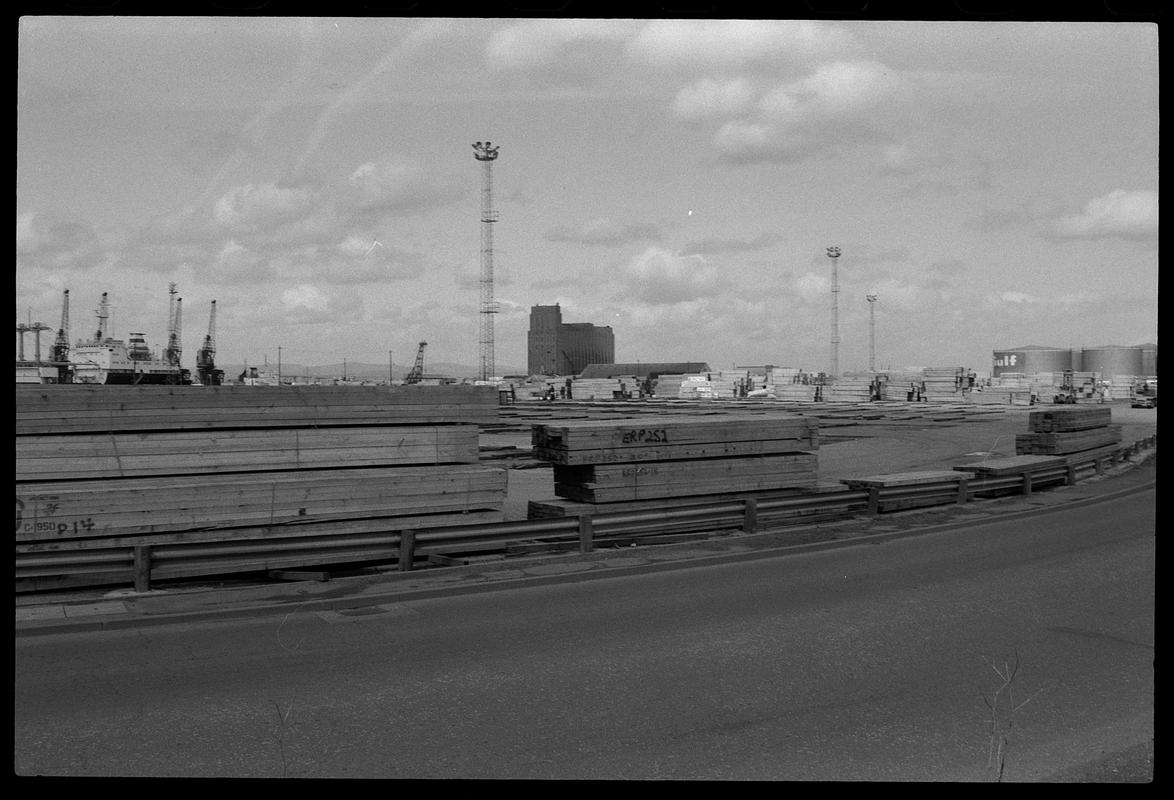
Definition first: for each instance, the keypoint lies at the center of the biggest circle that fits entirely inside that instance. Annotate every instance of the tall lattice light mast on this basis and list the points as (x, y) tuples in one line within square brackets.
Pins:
[(834, 255), (871, 332), (486, 153)]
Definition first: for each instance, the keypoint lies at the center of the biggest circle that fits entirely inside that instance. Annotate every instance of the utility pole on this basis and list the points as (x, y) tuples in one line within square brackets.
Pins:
[(485, 152), (834, 255), (390, 369), (871, 332), (278, 365)]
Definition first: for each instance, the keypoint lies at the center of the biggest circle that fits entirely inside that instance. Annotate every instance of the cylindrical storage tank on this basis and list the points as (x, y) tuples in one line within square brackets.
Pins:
[(1030, 360), (1077, 360), (1110, 361), (1149, 359)]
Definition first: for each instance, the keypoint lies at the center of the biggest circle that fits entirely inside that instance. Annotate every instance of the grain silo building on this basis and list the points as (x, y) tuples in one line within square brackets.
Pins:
[(554, 347)]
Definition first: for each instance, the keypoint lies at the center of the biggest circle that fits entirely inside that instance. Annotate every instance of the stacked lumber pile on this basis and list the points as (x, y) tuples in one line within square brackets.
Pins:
[(1067, 429), (1120, 387), (669, 386), (673, 456), (603, 388), (103, 466), (793, 391), (849, 389), (943, 384), (695, 387)]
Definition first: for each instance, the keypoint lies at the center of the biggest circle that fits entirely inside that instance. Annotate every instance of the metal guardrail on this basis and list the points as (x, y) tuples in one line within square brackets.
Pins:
[(139, 565)]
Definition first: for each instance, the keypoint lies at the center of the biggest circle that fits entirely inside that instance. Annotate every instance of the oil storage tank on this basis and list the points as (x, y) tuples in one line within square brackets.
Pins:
[(1113, 360), (1031, 359)]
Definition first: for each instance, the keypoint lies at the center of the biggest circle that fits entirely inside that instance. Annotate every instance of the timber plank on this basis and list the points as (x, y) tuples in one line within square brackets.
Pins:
[(903, 479), (121, 507), (58, 457), (77, 408), (1012, 465)]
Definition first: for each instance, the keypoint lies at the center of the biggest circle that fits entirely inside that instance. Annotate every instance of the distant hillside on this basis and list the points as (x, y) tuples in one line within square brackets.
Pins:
[(373, 372)]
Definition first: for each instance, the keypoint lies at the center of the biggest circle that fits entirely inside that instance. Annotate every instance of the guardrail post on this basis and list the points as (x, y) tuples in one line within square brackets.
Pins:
[(750, 516), (1027, 483), (142, 555), (873, 500), (1099, 463), (1070, 478), (963, 490), (586, 534), (407, 550)]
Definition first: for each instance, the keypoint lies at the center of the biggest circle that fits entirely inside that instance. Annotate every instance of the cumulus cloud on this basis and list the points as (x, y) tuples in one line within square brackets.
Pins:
[(735, 43), (397, 185), (1126, 214), (56, 242), (714, 98), (252, 207), (661, 277), (715, 245), (832, 107), (1018, 297), (538, 42), (605, 232)]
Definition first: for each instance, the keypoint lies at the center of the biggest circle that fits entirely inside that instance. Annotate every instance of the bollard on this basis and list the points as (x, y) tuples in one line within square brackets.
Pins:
[(586, 534), (750, 516), (142, 555), (407, 550)]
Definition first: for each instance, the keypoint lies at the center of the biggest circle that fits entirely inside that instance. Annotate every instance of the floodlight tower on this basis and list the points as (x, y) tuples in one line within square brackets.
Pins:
[(485, 152), (834, 255), (871, 332)]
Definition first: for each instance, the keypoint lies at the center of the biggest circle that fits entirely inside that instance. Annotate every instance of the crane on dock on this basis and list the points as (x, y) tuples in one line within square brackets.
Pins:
[(416, 374), (174, 315), (60, 351), (206, 355)]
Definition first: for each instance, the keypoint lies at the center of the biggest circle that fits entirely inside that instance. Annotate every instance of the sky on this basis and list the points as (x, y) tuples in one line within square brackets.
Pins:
[(994, 185)]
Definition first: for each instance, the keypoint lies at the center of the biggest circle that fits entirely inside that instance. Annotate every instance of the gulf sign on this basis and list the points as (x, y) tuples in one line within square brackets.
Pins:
[(1009, 361)]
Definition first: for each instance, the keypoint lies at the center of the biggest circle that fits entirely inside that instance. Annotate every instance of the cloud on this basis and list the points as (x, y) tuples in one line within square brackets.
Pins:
[(660, 277), (832, 108), (541, 42), (605, 232), (735, 43), (251, 207), (714, 245), (56, 242), (397, 185), (1021, 298), (1120, 213), (714, 98)]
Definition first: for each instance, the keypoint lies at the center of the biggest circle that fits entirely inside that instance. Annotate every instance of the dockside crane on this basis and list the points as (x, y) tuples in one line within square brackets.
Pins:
[(60, 352), (174, 321), (206, 355), (416, 374)]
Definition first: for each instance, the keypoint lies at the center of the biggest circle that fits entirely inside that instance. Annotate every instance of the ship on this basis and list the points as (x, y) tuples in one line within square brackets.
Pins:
[(106, 360)]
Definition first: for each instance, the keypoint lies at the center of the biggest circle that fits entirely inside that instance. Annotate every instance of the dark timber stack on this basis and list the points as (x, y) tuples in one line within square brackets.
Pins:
[(678, 456), (1067, 429), (105, 466)]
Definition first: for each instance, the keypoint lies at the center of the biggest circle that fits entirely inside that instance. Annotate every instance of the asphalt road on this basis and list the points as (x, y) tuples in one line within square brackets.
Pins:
[(871, 662)]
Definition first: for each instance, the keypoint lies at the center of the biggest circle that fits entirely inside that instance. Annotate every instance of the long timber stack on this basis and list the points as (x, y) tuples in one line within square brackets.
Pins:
[(657, 458), (106, 466), (1067, 429)]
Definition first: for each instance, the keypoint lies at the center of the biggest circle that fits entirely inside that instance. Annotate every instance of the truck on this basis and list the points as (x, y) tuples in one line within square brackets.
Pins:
[(1144, 393)]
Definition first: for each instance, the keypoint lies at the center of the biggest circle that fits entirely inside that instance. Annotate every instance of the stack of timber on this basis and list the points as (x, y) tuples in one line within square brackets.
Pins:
[(114, 466), (850, 389), (603, 388), (695, 387), (944, 384), (1067, 429), (669, 386), (674, 456)]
